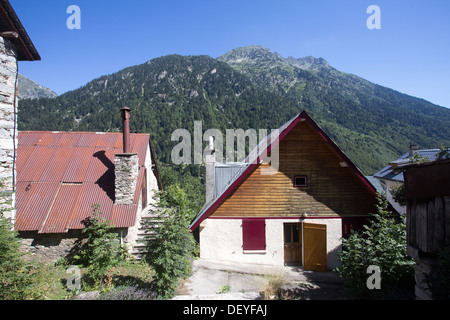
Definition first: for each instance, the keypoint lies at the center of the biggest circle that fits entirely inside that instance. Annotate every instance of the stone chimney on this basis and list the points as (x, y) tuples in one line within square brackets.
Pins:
[(126, 165), (210, 170), (413, 149)]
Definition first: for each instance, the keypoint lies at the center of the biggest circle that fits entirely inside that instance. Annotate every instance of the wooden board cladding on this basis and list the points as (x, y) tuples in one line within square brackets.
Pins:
[(428, 224), (428, 180), (331, 190)]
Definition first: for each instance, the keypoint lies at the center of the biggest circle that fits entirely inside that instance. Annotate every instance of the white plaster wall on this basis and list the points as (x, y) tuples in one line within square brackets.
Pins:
[(131, 235), (152, 182), (221, 239)]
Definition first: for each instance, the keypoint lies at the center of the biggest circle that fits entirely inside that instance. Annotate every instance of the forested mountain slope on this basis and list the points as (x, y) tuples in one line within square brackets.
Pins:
[(249, 87)]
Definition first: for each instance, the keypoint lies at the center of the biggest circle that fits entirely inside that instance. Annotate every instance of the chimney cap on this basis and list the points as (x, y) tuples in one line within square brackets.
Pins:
[(125, 109)]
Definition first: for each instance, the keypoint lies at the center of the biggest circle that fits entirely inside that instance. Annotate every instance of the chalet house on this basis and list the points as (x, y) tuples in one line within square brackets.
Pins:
[(60, 175), (15, 45), (295, 216), (390, 176)]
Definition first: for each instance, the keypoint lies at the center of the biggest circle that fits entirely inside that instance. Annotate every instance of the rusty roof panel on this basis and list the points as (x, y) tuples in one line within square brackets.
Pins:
[(41, 196), (57, 165), (137, 193), (108, 140), (78, 165), (61, 209), (90, 195), (140, 145), (124, 215), (29, 138), (22, 196), (62, 174), (101, 163), (49, 138), (88, 140), (36, 164), (23, 153), (69, 139)]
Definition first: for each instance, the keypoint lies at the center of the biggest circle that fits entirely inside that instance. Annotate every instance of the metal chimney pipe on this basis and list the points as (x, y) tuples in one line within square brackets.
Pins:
[(126, 129)]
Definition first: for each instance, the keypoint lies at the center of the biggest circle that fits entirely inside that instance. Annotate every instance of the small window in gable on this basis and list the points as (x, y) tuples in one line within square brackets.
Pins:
[(300, 181), (254, 234)]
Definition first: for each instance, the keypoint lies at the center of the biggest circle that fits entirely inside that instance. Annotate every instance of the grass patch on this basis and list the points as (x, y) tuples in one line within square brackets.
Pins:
[(129, 280)]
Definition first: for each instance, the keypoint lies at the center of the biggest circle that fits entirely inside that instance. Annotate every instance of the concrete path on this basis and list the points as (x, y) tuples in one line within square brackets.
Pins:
[(217, 280)]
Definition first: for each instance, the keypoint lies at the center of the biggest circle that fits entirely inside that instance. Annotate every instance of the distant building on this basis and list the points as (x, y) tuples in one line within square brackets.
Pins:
[(391, 177), (296, 216), (15, 45)]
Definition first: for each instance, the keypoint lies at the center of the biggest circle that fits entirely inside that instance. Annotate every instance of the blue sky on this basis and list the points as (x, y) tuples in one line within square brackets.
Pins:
[(410, 53)]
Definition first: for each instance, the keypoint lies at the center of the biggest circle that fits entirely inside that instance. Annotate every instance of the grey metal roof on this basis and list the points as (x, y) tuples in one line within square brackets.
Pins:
[(387, 172), (376, 183), (224, 173)]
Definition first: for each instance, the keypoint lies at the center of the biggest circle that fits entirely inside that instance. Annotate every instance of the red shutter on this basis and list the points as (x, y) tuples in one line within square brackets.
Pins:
[(254, 234)]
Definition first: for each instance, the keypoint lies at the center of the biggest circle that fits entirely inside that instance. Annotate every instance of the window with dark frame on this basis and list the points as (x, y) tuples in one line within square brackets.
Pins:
[(300, 181), (253, 234)]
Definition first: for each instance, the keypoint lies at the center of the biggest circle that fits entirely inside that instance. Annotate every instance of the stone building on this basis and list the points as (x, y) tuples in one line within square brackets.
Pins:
[(62, 175), (15, 45)]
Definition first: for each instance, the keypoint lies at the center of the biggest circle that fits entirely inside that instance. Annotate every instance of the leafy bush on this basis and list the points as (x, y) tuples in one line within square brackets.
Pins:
[(15, 280), (399, 194), (102, 250), (171, 250), (383, 244), (439, 280), (20, 278)]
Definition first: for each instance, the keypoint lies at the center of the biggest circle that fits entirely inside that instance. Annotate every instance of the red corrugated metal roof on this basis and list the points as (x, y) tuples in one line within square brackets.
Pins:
[(60, 175), (57, 218)]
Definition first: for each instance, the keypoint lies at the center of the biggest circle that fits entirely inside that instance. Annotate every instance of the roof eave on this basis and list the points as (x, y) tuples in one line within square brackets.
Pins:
[(26, 49)]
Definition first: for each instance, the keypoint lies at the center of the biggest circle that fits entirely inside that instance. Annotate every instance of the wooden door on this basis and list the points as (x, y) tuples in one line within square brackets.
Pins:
[(315, 251), (292, 244)]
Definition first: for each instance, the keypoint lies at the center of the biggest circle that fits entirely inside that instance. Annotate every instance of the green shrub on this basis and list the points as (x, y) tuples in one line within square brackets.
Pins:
[(170, 252), (102, 250), (439, 281), (382, 244), (20, 279)]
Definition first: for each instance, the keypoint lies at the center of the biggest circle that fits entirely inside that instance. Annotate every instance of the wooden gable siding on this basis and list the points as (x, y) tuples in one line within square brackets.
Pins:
[(331, 189)]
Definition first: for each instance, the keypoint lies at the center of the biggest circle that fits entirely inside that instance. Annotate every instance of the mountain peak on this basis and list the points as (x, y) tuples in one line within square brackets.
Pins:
[(261, 55), (250, 54), (29, 89)]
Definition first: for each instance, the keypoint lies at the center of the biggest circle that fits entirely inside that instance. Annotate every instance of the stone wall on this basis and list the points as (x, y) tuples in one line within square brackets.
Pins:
[(49, 247), (126, 174), (8, 107)]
